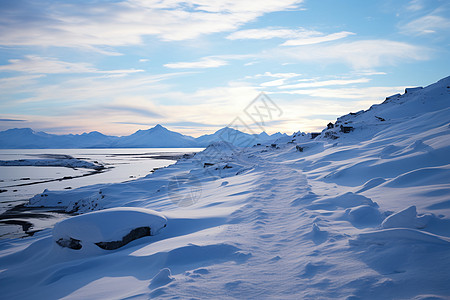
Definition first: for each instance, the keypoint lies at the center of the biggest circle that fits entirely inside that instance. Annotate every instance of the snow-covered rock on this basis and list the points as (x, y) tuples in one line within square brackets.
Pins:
[(108, 229)]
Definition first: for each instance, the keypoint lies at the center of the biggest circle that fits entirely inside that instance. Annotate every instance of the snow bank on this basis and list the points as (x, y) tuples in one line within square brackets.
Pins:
[(67, 162), (108, 229), (73, 201)]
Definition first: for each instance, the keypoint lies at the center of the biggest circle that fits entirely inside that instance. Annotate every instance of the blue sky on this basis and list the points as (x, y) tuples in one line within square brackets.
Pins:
[(194, 66)]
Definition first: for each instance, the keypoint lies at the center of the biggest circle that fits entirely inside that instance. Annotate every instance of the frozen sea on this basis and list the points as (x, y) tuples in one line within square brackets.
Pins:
[(19, 183)]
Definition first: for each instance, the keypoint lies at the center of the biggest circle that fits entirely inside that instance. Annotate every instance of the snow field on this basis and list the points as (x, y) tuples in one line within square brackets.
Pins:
[(363, 216)]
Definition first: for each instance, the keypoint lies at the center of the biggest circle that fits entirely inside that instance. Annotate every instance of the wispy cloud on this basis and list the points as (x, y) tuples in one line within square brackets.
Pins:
[(212, 61), (281, 78), (14, 83), (317, 39), (99, 26), (187, 124), (215, 107), (369, 73), (415, 5), (274, 75), (206, 62), (362, 55), (366, 93), (34, 64), (429, 24), (11, 120), (295, 37), (272, 32), (135, 110), (334, 82), (276, 82), (95, 88)]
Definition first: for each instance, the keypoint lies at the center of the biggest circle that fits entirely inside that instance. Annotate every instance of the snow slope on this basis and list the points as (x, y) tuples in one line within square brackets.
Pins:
[(357, 215)]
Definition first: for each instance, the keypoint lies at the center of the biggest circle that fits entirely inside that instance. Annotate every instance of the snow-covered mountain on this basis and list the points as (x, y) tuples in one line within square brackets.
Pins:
[(410, 109), (23, 138), (236, 137), (263, 136), (156, 137), (26, 138), (360, 212)]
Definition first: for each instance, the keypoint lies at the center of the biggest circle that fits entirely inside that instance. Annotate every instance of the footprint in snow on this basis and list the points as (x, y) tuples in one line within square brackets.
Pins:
[(164, 277)]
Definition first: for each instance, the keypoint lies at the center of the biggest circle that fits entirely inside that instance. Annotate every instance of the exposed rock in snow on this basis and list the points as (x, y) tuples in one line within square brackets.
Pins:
[(109, 229)]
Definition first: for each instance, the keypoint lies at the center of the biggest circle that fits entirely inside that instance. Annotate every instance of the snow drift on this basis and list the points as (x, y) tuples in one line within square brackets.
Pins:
[(108, 229)]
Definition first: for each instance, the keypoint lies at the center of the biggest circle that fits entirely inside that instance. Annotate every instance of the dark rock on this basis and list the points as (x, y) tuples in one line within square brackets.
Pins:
[(330, 125), (388, 99), (346, 129), (70, 243), (411, 90), (314, 134), (299, 149), (133, 235), (380, 118), (331, 135)]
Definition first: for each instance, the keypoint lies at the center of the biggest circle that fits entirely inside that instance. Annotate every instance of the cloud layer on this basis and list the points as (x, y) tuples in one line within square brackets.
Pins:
[(93, 24), (116, 65)]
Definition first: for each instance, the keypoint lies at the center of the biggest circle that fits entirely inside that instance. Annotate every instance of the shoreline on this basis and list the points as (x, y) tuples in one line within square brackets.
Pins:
[(59, 179), (26, 218), (23, 216)]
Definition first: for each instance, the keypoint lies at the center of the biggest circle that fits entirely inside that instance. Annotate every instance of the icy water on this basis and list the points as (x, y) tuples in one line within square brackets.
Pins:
[(18, 184)]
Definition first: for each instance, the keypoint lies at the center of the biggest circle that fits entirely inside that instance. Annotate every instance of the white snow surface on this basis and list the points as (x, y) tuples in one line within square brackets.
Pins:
[(365, 215)]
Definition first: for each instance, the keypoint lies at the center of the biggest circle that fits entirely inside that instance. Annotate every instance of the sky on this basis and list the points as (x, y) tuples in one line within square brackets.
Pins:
[(195, 66)]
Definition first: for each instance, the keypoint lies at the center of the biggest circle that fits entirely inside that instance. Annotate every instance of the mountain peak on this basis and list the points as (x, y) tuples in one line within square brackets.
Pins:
[(25, 130), (159, 127)]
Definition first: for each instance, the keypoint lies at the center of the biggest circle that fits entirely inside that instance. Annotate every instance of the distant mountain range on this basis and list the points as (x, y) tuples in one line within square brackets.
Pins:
[(156, 137)]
